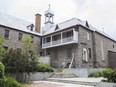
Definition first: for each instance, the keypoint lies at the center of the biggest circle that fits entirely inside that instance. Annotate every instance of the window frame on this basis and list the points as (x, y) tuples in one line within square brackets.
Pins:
[(6, 34)]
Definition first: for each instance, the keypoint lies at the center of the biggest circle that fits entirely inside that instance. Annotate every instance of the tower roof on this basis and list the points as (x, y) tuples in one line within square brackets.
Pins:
[(49, 12)]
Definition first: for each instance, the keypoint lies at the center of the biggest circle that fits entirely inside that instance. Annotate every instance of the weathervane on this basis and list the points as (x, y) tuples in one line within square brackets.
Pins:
[(49, 6)]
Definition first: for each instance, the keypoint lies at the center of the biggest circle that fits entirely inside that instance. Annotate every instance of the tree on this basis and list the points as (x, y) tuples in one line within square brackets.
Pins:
[(31, 57), (20, 61), (2, 50)]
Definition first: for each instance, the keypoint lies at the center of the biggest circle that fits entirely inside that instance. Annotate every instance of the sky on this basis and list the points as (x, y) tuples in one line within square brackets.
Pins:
[(99, 13)]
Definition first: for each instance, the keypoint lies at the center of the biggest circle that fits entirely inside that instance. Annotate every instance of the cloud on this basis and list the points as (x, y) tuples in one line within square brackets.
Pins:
[(99, 13)]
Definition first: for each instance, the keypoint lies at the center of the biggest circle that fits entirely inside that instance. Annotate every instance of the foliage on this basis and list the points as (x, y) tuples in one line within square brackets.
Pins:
[(110, 74), (7, 82), (13, 60), (30, 56), (2, 68), (24, 60), (44, 68), (96, 74), (2, 50)]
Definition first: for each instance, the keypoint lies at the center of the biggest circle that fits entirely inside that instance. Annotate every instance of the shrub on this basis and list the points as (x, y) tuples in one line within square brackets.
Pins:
[(96, 74), (10, 82), (43, 68), (110, 74), (2, 68)]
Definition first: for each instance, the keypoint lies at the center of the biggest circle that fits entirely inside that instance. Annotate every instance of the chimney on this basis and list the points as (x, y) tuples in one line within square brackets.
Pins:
[(38, 23)]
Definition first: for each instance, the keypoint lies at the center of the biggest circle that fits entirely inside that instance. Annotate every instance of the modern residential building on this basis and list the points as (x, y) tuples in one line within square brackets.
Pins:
[(72, 43)]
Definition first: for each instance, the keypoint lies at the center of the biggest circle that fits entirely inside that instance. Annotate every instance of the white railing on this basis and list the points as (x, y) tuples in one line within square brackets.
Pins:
[(67, 39), (56, 42), (46, 44)]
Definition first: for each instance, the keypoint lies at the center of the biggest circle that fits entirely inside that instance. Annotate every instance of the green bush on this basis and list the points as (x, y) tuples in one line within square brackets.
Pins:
[(96, 74), (9, 82), (2, 68), (43, 68), (109, 74)]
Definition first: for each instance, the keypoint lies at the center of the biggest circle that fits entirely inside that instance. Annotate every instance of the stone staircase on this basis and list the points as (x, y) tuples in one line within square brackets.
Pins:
[(65, 75)]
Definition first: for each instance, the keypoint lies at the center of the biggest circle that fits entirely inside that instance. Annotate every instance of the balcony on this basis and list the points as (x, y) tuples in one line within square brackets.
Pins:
[(60, 39)]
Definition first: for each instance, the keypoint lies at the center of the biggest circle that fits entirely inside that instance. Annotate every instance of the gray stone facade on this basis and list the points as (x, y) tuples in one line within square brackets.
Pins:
[(13, 42), (97, 43)]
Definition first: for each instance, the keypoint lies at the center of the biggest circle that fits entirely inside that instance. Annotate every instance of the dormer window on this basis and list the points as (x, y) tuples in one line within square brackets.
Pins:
[(30, 27), (87, 25), (57, 27)]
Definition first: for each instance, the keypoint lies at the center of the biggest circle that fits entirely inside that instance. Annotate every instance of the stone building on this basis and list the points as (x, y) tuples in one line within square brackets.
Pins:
[(75, 43), (12, 29), (72, 43)]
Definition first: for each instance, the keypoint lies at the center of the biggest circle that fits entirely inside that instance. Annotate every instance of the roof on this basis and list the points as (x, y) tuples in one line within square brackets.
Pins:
[(73, 22), (15, 23)]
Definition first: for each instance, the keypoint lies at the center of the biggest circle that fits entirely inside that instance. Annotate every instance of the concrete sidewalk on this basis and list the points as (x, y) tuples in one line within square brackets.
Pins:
[(56, 84)]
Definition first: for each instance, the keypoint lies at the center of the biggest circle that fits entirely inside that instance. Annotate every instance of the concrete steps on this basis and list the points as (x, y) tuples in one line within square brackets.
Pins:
[(66, 75)]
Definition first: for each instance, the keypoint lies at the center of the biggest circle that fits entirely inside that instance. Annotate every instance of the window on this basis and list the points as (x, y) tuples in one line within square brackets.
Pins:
[(6, 34), (56, 54), (32, 38), (113, 46), (5, 47), (85, 59), (20, 36), (70, 33), (69, 52), (89, 53), (88, 36)]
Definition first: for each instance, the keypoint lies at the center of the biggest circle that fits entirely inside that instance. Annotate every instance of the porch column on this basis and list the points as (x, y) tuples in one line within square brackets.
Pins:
[(61, 37), (73, 33), (51, 40)]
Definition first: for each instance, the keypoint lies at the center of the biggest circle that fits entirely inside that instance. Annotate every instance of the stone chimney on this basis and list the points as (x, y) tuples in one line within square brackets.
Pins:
[(38, 23)]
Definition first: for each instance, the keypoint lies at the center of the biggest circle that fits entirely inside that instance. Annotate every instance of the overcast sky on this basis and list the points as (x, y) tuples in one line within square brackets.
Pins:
[(99, 13)]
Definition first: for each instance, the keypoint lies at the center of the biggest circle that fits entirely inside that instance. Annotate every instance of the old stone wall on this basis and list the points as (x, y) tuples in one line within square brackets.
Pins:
[(102, 51), (13, 42), (84, 43)]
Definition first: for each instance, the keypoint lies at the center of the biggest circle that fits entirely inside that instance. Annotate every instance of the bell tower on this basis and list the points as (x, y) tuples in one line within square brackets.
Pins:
[(49, 18)]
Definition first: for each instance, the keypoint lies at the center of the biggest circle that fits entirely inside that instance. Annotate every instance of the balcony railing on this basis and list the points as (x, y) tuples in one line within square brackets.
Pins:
[(68, 39), (56, 42), (46, 44)]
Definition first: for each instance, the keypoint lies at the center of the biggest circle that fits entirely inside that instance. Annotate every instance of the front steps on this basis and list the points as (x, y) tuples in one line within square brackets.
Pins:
[(65, 75)]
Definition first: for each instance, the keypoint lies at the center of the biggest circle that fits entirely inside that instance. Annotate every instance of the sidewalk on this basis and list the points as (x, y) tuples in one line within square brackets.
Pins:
[(54, 84)]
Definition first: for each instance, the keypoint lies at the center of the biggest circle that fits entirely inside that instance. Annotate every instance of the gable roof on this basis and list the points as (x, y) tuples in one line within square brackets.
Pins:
[(15, 23), (73, 22)]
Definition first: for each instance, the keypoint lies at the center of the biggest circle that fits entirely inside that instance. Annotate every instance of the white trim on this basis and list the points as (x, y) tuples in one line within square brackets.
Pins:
[(85, 57)]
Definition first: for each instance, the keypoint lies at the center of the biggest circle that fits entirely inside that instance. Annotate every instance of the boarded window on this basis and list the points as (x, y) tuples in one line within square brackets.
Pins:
[(85, 58), (88, 36), (69, 52)]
